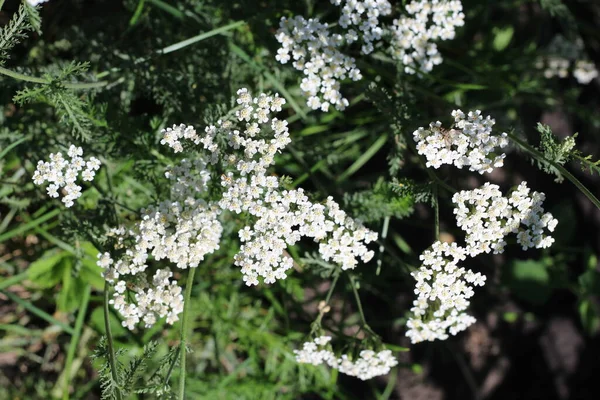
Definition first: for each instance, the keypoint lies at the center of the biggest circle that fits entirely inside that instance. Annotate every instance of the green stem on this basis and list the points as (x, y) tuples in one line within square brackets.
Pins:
[(330, 292), (539, 156), (109, 339), (184, 329), (359, 304), (384, 232), (75, 340), (436, 212), (33, 79)]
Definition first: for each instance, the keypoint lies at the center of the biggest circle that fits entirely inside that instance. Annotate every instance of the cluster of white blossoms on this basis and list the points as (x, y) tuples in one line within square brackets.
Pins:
[(487, 218), (363, 15), (186, 227), (470, 143), (414, 35), (443, 291), (63, 174), (443, 288), (369, 364), (316, 49), (585, 72), (316, 53), (182, 230)]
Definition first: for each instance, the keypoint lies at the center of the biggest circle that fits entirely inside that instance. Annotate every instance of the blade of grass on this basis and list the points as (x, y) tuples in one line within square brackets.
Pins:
[(259, 68), (75, 340), (362, 160), (13, 280), (26, 227), (12, 146), (138, 12), (39, 312), (167, 7), (200, 37)]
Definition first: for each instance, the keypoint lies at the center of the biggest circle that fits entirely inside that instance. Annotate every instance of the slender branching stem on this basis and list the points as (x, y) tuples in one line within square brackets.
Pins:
[(33, 79), (436, 212), (359, 305), (540, 157), (111, 348), (184, 331)]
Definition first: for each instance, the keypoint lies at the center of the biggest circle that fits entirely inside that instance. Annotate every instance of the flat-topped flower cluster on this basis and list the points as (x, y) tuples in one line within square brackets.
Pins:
[(443, 287), (316, 48), (186, 227), (63, 174), (469, 143), (369, 364)]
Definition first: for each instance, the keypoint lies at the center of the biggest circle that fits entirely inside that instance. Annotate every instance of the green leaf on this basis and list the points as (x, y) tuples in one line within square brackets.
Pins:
[(529, 280), (48, 270), (588, 313), (502, 37)]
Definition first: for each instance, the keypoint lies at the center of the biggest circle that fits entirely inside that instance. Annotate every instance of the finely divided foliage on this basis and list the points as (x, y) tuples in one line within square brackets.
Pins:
[(212, 199)]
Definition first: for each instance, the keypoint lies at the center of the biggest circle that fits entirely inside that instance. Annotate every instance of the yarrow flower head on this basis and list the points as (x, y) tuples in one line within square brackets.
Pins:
[(469, 143), (315, 52), (443, 291), (487, 217), (585, 72), (367, 365), (186, 227), (364, 15), (414, 35), (63, 174)]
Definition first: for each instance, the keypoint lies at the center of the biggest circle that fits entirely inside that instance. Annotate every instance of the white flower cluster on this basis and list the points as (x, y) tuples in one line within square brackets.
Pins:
[(585, 72), (282, 217), (365, 16), (414, 35), (470, 143), (161, 299), (368, 365), (183, 230), (554, 66), (62, 173), (487, 217), (316, 53), (443, 291)]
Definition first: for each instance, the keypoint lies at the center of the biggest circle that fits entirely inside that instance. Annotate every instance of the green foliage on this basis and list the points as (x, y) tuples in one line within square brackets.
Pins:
[(382, 200), (24, 20)]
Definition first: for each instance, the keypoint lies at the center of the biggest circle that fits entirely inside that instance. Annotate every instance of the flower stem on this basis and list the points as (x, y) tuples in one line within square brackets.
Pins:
[(184, 329), (33, 79), (359, 304), (539, 156), (436, 212), (109, 339)]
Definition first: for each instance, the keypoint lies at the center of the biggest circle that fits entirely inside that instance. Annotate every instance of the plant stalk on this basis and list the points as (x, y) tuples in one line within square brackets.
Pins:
[(184, 330), (539, 156), (109, 339)]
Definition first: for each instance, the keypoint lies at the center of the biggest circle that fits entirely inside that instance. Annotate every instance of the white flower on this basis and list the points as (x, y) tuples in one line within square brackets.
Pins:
[(63, 174), (470, 143), (487, 218), (585, 72), (316, 52), (443, 291), (414, 35), (367, 366)]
